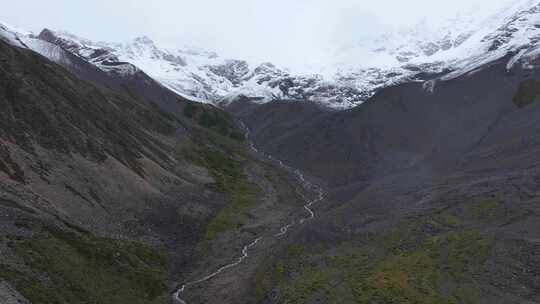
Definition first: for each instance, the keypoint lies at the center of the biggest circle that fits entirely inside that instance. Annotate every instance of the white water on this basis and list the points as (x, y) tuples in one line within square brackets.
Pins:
[(283, 230), (215, 273)]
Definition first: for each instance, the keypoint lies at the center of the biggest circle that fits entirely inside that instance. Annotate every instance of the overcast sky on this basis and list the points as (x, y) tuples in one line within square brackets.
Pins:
[(278, 30)]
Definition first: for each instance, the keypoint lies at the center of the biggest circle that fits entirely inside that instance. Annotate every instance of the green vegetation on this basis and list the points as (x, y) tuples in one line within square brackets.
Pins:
[(189, 109), (229, 179), (486, 210), (527, 93), (417, 275), (63, 267), (407, 278), (216, 144), (279, 272), (425, 259), (213, 119), (448, 219)]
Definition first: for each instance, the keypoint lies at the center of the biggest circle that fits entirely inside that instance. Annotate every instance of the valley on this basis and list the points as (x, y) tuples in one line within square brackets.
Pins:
[(132, 173), (306, 185)]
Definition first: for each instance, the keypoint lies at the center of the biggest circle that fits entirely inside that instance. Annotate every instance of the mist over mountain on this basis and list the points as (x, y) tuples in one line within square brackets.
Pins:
[(422, 52)]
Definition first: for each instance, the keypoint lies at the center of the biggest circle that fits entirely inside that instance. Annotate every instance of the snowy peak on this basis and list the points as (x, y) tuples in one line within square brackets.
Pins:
[(98, 54), (144, 40), (520, 31), (12, 35), (67, 41), (232, 70), (193, 73), (421, 53), (406, 46), (451, 49)]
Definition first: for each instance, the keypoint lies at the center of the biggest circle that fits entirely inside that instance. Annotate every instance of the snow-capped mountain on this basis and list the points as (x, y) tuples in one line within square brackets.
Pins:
[(202, 75), (453, 48), (24, 39), (196, 74), (421, 53)]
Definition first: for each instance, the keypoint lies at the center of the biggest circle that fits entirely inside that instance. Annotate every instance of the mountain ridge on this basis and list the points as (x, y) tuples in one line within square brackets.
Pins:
[(460, 46)]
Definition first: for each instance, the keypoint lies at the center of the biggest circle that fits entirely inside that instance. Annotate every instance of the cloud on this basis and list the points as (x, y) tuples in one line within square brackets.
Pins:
[(285, 31)]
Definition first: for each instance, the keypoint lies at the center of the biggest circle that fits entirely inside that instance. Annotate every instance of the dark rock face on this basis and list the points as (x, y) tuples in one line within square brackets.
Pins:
[(50, 36), (466, 151), (398, 128), (97, 56), (233, 70), (9, 167)]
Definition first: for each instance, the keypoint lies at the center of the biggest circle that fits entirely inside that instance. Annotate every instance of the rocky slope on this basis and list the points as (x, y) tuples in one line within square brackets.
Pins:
[(107, 197), (432, 193)]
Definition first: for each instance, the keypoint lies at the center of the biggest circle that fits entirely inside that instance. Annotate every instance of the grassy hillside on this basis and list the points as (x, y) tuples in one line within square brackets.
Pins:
[(67, 267)]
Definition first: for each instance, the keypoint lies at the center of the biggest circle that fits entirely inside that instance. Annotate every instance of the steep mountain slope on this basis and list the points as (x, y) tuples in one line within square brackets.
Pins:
[(75, 165), (135, 84), (396, 120), (432, 193), (105, 197)]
